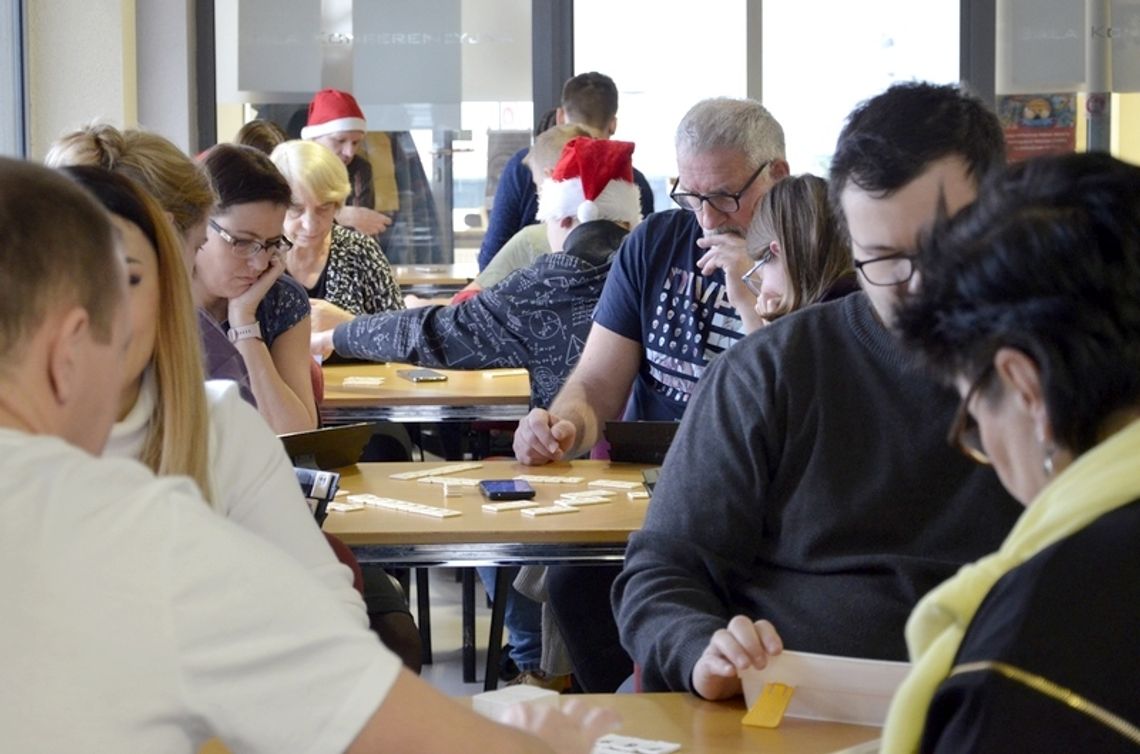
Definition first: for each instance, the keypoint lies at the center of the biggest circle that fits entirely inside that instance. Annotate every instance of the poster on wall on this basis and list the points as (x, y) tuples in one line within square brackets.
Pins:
[(1038, 124)]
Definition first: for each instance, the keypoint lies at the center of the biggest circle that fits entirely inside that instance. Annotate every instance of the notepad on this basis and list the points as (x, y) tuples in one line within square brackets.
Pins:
[(827, 687)]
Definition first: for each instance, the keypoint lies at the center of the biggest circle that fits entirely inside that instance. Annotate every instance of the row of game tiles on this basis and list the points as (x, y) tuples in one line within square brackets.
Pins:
[(569, 502)]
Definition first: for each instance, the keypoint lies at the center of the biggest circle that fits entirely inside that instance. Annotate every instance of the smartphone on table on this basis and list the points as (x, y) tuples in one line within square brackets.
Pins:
[(506, 489), (422, 375)]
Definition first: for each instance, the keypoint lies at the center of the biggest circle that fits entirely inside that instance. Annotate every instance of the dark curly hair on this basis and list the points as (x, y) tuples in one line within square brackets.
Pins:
[(1047, 261), (890, 139)]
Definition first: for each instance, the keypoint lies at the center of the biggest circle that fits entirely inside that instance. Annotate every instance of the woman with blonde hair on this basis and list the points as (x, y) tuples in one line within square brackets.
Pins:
[(169, 422), (337, 266), (184, 192)]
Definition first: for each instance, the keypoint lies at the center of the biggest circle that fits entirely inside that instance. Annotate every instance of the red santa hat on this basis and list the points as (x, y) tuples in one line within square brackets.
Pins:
[(593, 180), (333, 111)]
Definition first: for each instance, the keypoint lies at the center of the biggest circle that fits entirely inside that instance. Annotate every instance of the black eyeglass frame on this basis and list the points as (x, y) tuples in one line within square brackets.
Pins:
[(253, 247), (861, 263), (679, 197), (964, 423)]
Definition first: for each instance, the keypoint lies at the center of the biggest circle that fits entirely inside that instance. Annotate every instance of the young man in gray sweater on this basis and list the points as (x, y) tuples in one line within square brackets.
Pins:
[(837, 502)]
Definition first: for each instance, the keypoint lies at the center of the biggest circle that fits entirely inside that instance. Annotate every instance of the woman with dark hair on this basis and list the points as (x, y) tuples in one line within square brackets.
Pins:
[(1030, 306), (238, 278)]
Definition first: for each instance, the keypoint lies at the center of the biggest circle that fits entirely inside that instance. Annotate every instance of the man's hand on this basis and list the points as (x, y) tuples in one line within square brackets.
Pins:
[(725, 251), (573, 730), (321, 344), (740, 645), (326, 316), (363, 220), (542, 437)]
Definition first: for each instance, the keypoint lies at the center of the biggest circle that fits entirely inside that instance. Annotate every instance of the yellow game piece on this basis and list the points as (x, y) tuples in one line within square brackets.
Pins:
[(770, 705)]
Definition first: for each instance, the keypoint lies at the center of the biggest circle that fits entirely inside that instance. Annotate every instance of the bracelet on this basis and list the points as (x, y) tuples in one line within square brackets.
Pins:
[(242, 332)]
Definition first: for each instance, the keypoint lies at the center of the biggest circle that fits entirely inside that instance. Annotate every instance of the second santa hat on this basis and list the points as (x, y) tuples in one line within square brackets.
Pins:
[(333, 111), (593, 180)]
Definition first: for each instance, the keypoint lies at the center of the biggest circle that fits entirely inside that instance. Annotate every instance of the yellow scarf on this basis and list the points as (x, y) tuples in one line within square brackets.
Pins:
[(1101, 480)]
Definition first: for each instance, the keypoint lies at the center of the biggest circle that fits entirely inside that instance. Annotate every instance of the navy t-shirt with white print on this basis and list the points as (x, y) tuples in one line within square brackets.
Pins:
[(656, 295)]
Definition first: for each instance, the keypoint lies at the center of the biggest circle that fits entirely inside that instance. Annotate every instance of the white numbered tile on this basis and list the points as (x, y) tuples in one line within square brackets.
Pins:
[(513, 505), (404, 506), (637, 495), (549, 510), (337, 507), (614, 484), (437, 471), (575, 502), (362, 382), (615, 744), (549, 479), (587, 493), (458, 481)]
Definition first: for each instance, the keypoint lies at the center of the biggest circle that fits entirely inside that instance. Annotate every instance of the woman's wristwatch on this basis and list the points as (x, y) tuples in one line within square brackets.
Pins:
[(243, 332)]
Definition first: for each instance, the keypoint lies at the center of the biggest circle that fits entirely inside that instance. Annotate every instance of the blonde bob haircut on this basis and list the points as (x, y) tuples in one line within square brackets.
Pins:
[(313, 171), (177, 440), (171, 177)]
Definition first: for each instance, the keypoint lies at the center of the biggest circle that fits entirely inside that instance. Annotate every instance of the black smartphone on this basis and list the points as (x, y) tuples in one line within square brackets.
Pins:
[(422, 375), (506, 489)]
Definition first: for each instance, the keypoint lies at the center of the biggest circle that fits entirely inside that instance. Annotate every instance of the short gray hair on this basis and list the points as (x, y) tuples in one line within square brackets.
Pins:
[(741, 125)]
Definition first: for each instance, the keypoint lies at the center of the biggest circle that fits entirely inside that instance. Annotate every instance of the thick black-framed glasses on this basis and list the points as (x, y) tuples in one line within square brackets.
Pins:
[(725, 203), (893, 269), (249, 247), (750, 279), (965, 434)]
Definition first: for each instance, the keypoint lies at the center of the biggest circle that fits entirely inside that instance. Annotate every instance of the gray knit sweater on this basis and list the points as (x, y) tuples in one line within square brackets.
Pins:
[(811, 484)]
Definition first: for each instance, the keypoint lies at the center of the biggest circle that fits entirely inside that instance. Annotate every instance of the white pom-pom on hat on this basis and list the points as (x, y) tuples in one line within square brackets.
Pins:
[(593, 180)]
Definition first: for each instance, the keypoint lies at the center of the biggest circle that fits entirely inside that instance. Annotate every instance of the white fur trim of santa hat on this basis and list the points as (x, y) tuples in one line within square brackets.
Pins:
[(333, 111), (619, 201)]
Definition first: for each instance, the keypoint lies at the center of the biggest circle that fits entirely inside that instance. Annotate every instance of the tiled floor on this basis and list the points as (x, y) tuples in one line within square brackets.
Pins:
[(446, 672)]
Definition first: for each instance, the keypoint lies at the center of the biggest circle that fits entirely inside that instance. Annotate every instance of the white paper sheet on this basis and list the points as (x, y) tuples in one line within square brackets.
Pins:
[(838, 689)]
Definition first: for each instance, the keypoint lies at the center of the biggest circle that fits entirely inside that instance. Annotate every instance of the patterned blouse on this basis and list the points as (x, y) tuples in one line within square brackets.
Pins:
[(284, 305), (357, 276)]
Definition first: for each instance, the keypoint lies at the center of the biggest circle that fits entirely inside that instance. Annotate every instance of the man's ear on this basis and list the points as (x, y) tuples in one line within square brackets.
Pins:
[(560, 117), (65, 357), (566, 223), (611, 127), (1022, 378), (779, 170)]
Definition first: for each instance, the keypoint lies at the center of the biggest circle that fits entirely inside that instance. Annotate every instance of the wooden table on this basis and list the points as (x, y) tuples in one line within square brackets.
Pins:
[(434, 279), (714, 727), (593, 535), (467, 395), (711, 727)]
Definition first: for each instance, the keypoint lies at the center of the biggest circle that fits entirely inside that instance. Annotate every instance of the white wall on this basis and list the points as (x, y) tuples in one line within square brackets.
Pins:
[(81, 67)]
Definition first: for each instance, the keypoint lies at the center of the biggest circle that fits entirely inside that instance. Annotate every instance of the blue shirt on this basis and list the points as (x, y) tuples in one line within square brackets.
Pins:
[(655, 295)]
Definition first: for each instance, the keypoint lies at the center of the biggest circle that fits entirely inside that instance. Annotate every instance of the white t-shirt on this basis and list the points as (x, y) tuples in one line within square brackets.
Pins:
[(136, 620), (253, 482)]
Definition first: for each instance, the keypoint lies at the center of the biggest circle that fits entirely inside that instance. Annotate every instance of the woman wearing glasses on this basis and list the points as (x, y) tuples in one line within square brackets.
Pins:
[(801, 256), (1029, 305), (238, 279)]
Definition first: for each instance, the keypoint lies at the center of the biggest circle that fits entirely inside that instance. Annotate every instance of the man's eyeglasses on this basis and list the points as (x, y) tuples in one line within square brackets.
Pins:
[(893, 269), (751, 279), (965, 434), (250, 247), (724, 203)]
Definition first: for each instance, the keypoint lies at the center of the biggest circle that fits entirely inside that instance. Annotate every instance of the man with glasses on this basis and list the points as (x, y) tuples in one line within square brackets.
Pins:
[(837, 501), (663, 316)]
